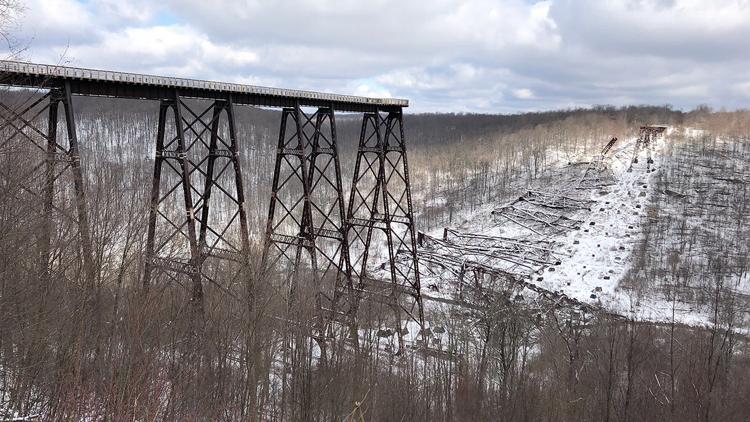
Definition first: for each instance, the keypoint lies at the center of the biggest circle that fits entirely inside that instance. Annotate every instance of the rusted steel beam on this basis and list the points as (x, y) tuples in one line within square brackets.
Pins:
[(93, 82)]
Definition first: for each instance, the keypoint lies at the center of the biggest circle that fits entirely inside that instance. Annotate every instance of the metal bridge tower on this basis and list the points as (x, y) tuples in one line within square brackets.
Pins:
[(306, 210), (380, 203), (44, 152), (189, 237), (196, 157)]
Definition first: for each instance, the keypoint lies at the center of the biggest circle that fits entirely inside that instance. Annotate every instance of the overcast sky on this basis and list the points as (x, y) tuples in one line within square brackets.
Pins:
[(444, 55)]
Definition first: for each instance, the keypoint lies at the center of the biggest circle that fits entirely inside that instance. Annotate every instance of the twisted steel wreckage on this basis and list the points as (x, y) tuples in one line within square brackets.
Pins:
[(310, 228)]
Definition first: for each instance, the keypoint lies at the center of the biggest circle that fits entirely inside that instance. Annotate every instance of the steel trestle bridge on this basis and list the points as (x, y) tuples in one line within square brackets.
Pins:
[(197, 159)]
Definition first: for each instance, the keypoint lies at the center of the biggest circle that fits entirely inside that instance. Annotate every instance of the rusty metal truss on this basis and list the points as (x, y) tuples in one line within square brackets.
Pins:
[(542, 214), (109, 83), (380, 205), (598, 173), (645, 140), (44, 152), (518, 256), (196, 158), (192, 235), (305, 227), (487, 286)]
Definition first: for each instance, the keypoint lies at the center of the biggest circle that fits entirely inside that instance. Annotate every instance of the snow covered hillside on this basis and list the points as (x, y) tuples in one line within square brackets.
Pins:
[(583, 239)]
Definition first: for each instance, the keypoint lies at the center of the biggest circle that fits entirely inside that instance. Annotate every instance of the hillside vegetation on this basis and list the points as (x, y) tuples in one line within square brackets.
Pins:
[(72, 349)]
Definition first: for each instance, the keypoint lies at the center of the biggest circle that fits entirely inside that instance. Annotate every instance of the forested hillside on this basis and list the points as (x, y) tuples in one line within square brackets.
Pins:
[(102, 349)]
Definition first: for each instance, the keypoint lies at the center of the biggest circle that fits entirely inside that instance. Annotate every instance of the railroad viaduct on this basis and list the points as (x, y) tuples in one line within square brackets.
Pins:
[(197, 142)]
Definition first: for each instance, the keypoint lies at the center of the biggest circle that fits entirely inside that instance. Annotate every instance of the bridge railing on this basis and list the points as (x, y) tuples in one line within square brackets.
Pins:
[(67, 72)]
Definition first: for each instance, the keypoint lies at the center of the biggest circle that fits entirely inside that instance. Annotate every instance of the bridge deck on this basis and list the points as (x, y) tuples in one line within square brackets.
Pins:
[(106, 83)]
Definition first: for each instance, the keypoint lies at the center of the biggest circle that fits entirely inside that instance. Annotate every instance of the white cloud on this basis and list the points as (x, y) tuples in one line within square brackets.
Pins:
[(176, 49), (56, 21), (386, 28), (365, 90), (694, 91), (743, 88), (523, 93), (135, 11), (701, 29), (463, 55)]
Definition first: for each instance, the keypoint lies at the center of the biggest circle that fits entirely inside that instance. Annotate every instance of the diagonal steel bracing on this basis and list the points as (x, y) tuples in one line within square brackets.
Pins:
[(646, 136), (196, 159), (305, 229), (380, 204), (25, 138)]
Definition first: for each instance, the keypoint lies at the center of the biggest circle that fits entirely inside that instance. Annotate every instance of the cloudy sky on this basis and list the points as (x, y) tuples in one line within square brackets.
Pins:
[(444, 55)]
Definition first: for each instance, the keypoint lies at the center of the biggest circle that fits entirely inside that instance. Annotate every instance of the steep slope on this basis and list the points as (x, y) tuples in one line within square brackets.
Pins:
[(584, 239)]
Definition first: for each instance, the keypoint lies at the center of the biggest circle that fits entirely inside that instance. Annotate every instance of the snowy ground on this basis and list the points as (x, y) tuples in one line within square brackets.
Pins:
[(600, 254), (591, 259)]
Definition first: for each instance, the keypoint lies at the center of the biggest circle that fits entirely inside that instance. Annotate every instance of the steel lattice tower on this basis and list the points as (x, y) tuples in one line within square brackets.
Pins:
[(380, 201), (199, 156)]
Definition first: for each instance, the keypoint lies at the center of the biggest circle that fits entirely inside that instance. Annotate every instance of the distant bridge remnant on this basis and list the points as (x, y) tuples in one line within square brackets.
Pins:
[(647, 134), (196, 159)]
